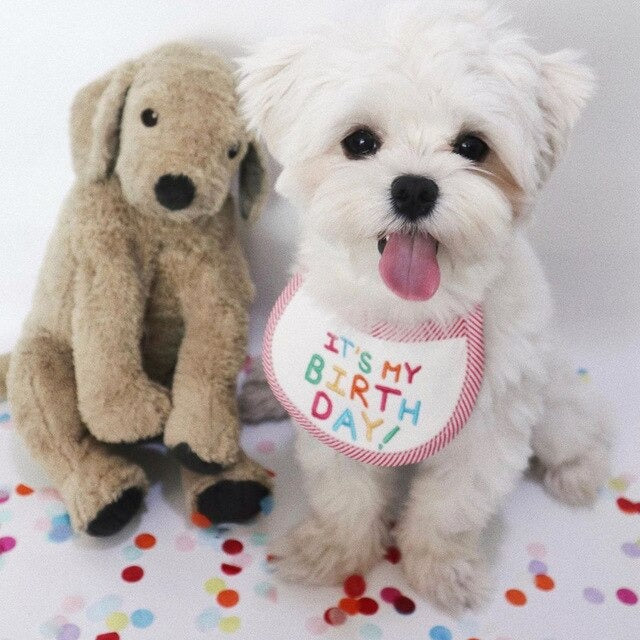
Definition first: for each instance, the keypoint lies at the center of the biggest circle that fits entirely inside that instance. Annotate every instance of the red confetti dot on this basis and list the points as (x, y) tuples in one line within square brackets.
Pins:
[(516, 597), (335, 616), (230, 569), (393, 555), (271, 474), (626, 506), (390, 594), (145, 541), (367, 606), (271, 557), (23, 490), (132, 573), (404, 605), (200, 520), (232, 546), (228, 598), (349, 605), (354, 586), (544, 582), (112, 635)]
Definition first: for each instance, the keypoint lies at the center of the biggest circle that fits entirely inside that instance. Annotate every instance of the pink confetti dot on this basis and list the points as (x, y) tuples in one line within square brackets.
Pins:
[(72, 604), (390, 594), (537, 550), (626, 596), (266, 446), (316, 626), (7, 543), (185, 542)]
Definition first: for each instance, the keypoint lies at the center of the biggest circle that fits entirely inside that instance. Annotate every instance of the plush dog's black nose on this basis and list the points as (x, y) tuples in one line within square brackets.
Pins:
[(413, 197), (175, 192)]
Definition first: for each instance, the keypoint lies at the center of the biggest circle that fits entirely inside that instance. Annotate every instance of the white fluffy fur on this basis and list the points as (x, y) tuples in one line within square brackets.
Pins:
[(419, 75)]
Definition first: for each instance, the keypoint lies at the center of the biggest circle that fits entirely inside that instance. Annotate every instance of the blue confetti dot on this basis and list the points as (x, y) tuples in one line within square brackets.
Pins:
[(4, 417), (208, 619), (60, 533), (141, 618), (370, 631), (101, 609), (131, 553), (259, 539), (266, 505), (61, 520), (440, 633)]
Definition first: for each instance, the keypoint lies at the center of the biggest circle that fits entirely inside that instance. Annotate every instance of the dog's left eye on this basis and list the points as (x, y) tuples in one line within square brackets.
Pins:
[(149, 118), (232, 151), (471, 147), (360, 144)]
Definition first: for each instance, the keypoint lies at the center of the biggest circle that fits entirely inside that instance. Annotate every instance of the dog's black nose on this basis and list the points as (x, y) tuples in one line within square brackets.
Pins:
[(413, 197), (175, 192)]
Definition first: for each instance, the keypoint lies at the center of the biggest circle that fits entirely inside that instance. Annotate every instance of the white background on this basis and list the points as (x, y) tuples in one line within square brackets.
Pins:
[(586, 227)]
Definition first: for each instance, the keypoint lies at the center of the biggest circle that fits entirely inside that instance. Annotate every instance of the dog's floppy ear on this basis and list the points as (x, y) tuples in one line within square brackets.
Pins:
[(566, 86), (271, 91), (252, 182), (95, 123)]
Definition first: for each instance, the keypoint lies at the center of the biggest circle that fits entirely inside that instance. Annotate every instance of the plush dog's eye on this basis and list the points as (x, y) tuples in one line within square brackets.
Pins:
[(361, 143), (149, 118), (471, 147), (233, 151)]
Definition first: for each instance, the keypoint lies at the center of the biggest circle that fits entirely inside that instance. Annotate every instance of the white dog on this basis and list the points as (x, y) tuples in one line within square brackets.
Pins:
[(413, 146)]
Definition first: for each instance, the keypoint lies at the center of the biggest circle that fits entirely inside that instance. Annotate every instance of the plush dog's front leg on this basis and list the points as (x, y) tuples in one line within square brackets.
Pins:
[(117, 401), (203, 428)]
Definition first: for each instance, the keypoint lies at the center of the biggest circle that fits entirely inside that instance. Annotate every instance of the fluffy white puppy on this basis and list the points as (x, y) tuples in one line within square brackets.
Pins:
[(414, 145)]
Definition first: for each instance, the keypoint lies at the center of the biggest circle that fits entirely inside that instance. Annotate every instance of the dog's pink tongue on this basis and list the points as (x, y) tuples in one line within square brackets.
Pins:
[(409, 266)]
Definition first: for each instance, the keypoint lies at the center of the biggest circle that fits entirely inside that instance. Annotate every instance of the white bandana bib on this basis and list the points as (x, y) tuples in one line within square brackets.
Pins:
[(391, 397)]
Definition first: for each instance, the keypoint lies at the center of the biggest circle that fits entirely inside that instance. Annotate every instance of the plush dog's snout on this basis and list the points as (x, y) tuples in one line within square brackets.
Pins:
[(413, 196), (175, 191)]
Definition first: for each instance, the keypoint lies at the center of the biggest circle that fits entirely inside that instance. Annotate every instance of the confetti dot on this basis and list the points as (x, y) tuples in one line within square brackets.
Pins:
[(266, 446), (132, 574), (369, 631), (266, 590), (390, 594), (200, 520), (145, 541), (99, 610), (131, 553), (112, 635), (593, 595), (266, 505), (142, 618), (354, 586), (259, 539), (627, 506), (536, 566), (393, 555), (228, 598), (208, 619), (404, 605), (185, 542), (544, 582), (7, 543), (23, 490), (349, 606), (230, 569), (4, 417), (5, 494), (537, 550), (61, 530), (214, 586), (316, 625), (72, 604), (230, 624), (515, 597), (68, 632), (367, 606), (51, 627), (117, 621), (232, 546), (626, 596), (618, 484), (631, 549), (440, 633), (335, 616)]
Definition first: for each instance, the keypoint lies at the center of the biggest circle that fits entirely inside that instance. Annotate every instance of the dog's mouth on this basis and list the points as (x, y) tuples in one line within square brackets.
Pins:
[(409, 264)]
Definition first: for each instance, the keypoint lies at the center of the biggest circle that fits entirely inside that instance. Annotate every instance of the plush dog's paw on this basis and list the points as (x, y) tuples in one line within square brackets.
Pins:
[(185, 455), (115, 516), (316, 553), (231, 500), (577, 481), (452, 581)]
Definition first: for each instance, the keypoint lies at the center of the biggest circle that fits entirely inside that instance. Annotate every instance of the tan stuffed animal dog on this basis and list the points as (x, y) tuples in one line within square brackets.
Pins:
[(139, 322)]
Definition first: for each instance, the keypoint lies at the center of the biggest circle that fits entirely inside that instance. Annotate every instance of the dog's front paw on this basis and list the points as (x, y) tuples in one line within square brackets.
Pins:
[(453, 580), (577, 481), (314, 552)]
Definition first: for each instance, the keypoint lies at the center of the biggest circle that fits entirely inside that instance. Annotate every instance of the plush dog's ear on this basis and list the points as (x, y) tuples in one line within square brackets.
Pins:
[(252, 182), (566, 87), (95, 123), (271, 91)]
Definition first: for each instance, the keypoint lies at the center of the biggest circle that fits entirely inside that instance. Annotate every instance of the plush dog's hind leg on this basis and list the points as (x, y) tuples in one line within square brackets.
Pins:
[(234, 495), (572, 441), (101, 491)]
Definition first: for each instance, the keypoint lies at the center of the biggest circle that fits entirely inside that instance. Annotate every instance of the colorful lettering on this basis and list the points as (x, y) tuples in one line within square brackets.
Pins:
[(395, 369), (358, 388), (346, 343), (313, 373), (411, 372), (316, 412), (335, 385), (385, 391), (413, 412), (371, 424), (346, 420), (365, 362), (331, 345)]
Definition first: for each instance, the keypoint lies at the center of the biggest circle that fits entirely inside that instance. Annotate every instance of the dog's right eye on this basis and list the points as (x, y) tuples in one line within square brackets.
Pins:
[(149, 118), (360, 144)]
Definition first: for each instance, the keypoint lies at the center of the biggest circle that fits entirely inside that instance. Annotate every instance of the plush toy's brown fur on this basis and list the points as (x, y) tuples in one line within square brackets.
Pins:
[(139, 321)]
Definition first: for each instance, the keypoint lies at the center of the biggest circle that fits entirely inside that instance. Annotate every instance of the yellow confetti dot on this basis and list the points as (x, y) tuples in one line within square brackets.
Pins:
[(230, 624), (618, 484), (214, 586), (117, 621)]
